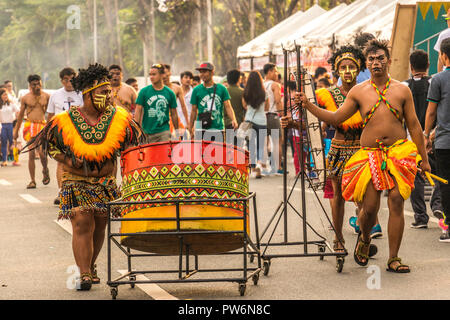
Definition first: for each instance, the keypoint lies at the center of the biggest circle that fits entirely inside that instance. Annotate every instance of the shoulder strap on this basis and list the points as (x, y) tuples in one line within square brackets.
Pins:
[(409, 82), (214, 98)]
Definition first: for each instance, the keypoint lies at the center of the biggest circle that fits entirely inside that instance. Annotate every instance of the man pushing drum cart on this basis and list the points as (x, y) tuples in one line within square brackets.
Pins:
[(87, 141)]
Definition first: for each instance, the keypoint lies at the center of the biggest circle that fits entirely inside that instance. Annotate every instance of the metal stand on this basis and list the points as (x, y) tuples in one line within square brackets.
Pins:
[(185, 272), (282, 209)]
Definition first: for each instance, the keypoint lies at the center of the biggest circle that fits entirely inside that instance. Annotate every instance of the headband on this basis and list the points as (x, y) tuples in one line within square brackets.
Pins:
[(346, 56), (97, 86)]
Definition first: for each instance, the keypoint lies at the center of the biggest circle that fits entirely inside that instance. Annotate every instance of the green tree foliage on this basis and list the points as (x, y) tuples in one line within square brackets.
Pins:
[(35, 39)]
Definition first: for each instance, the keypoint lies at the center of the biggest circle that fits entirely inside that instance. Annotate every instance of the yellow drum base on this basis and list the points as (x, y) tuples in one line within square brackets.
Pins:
[(212, 243)]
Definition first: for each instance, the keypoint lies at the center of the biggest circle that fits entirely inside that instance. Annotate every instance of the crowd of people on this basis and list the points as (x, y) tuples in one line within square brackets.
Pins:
[(380, 135)]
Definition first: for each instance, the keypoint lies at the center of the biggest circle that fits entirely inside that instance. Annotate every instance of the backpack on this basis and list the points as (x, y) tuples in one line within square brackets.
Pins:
[(419, 89)]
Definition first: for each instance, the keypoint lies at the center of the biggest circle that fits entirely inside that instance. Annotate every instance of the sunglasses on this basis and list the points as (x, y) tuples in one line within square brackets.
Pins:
[(158, 66)]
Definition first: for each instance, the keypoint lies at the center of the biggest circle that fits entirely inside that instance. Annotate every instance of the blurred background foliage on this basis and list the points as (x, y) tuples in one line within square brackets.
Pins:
[(35, 37)]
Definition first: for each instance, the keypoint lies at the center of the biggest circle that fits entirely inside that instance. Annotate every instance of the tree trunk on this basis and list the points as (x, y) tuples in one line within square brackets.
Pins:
[(119, 44), (108, 32), (66, 47)]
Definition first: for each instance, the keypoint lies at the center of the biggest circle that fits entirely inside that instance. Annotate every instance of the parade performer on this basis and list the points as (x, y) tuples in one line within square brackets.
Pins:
[(346, 64), (386, 160), (86, 141), (123, 95), (33, 106)]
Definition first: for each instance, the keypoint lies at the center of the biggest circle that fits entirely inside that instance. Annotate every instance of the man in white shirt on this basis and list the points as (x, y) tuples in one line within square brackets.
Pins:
[(186, 84), (60, 101), (273, 90), (442, 36)]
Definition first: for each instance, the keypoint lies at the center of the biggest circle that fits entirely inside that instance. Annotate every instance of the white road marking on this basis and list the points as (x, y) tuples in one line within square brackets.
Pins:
[(65, 224), (3, 182), (151, 289), (29, 198)]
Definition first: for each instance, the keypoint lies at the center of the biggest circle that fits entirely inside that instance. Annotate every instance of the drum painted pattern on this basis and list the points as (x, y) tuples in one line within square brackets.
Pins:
[(149, 173)]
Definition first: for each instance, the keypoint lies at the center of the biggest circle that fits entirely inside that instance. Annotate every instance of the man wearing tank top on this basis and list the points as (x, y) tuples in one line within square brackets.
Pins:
[(273, 90)]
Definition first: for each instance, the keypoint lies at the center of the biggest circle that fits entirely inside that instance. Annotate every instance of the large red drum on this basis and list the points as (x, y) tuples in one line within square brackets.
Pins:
[(184, 170)]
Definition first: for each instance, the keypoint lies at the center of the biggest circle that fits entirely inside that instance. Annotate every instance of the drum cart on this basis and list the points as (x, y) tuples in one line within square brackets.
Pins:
[(186, 273), (313, 142)]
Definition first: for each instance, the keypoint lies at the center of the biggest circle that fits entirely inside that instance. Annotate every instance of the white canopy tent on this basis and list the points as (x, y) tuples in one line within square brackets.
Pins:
[(263, 44), (288, 40), (354, 13), (379, 23)]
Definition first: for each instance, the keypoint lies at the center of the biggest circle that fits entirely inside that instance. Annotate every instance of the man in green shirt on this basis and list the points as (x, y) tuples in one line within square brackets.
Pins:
[(153, 106), (236, 93), (202, 102)]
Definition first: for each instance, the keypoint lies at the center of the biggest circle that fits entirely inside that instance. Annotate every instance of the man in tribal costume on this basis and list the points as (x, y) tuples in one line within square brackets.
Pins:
[(87, 141), (386, 160), (346, 63), (33, 107)]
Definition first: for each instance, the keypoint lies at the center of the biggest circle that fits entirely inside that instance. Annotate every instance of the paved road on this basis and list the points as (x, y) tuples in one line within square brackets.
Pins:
[(36, 259)]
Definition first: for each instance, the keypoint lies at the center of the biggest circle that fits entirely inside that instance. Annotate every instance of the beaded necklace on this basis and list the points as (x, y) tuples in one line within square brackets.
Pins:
[(382, 98)]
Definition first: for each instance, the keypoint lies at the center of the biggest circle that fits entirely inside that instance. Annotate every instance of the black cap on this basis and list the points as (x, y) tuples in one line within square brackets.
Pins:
[(206, 66)]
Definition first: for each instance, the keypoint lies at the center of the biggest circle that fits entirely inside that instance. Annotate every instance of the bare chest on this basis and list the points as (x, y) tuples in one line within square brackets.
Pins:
[(122, 97), (376, 105), (36, 105)]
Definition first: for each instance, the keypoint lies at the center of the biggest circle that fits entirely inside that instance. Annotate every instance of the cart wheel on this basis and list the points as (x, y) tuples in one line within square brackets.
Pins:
[(321, 250), (132, 278), (242, 287), (252, 258), (266, 267), (339, 264), (114, 293), (255, 279)]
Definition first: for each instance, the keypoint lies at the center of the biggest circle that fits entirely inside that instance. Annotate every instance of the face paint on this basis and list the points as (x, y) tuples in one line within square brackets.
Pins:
[(100, 102), (348, 70)]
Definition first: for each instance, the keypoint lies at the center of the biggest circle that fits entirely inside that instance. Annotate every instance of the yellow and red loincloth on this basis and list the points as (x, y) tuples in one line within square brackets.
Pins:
[(381, 166), (32, 128)]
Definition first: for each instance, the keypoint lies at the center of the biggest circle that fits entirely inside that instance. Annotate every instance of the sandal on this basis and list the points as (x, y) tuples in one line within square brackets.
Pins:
[(95, 278), (336, 246), (358, 253), (397, 269), (85, 282), (46, 179), (31, 185)]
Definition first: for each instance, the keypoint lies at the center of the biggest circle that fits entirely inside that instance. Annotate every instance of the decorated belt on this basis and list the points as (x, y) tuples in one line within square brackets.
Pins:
[(354, 144), (384, 149), (36, 121), (105, 181)]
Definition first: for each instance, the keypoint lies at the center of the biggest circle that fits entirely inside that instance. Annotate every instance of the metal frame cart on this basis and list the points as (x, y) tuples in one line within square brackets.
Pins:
[(186, 273), (282, 209)]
